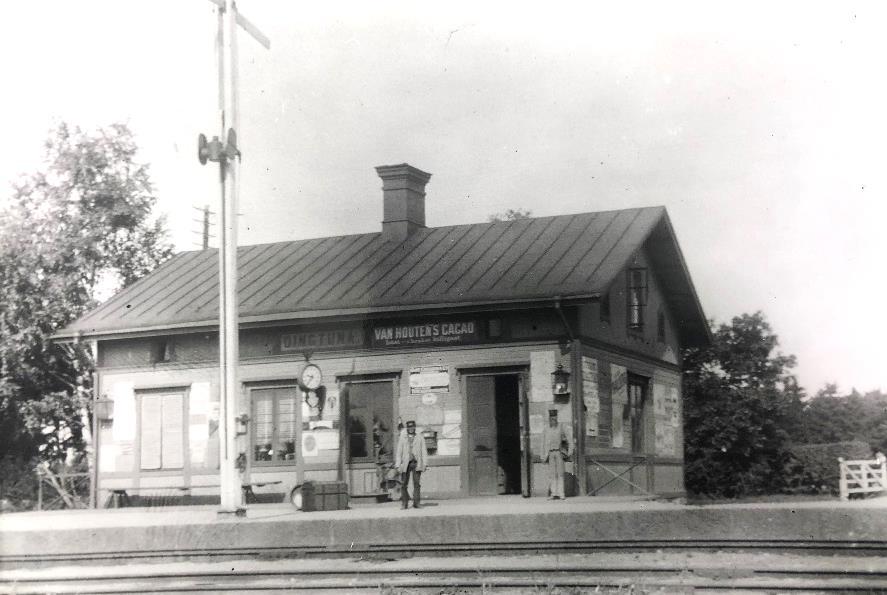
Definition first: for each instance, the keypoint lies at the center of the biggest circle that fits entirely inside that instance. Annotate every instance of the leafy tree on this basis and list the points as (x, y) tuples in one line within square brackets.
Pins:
[(741, 403), (511, 215), (832, 417), (82, 223)]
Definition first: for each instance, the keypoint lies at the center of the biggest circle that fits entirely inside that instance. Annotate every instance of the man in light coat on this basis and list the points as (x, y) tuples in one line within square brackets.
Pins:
[(410, 459), (556, 446)]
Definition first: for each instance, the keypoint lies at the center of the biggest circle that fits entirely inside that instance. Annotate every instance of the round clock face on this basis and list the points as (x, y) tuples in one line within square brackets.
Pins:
[(311, 377)]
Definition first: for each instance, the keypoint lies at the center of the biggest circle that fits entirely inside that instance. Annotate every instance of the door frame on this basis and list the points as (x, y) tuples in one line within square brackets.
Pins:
[(522, 372)]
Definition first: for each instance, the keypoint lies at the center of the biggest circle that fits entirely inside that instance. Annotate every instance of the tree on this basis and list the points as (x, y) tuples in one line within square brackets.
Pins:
[(83, 222), (741, 403), (511, 215), (832, 417)]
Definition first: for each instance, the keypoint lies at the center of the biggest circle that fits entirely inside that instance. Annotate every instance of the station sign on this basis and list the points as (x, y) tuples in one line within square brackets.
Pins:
[(340, 338)]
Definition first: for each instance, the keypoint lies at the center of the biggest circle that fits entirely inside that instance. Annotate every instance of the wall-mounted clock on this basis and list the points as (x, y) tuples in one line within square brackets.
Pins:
[(311, 377)]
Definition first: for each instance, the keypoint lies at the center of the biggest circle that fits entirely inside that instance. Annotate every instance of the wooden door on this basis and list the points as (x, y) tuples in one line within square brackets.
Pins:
[(482, 463), (525, 460)]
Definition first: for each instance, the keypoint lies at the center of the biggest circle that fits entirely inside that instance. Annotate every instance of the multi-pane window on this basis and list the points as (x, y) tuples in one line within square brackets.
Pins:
[(370, 413), (637, 393), (637, 298), (274, 424), (162, 438)]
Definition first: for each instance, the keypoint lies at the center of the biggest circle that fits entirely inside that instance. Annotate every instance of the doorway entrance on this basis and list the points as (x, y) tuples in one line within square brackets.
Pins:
[(494, 434)]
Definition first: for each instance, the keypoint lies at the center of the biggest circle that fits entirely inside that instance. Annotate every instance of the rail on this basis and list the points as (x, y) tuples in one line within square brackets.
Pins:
[(637, 572)]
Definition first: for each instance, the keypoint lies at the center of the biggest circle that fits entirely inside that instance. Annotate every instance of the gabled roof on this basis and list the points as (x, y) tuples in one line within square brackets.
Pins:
[(566, 256)]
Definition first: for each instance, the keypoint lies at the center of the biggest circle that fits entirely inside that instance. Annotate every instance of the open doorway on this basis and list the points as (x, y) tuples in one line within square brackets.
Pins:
[(494, 452), (508, 439)]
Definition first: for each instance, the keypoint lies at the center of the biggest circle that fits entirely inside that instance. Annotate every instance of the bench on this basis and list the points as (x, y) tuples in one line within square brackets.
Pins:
[(119, 497)]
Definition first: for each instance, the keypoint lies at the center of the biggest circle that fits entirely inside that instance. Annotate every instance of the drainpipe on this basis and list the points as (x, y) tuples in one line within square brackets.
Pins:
[(577, 401)]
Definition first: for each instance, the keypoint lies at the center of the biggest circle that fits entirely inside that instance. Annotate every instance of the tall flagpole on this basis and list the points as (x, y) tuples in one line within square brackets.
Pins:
[(228, 157), (231, 493)]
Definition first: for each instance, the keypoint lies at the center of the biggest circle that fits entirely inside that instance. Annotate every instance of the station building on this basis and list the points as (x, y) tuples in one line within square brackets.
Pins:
[(459, 328)]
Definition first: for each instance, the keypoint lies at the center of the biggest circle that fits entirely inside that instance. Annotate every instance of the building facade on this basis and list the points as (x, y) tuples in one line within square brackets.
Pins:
[(458, 328)]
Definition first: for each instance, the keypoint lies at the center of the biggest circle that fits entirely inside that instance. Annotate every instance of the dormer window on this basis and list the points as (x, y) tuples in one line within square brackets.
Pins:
[(637, 298), (660, 327)]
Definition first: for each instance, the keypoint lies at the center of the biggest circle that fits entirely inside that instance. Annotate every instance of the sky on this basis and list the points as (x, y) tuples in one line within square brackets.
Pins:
[(760, 126)]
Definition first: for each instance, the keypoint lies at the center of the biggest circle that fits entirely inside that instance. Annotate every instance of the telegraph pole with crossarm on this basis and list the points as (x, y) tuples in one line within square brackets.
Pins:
[(227, 153)]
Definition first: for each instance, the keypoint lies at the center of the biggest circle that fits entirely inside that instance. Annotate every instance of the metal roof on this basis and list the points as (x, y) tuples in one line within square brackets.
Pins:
[(566, 256)]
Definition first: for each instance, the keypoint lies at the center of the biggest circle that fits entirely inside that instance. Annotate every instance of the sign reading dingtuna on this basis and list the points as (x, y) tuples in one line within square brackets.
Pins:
[(433, 333), (343, 338)]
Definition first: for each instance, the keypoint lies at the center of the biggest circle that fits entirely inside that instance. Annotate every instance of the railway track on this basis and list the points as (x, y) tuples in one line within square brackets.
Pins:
[(394, 550), (640, 572)]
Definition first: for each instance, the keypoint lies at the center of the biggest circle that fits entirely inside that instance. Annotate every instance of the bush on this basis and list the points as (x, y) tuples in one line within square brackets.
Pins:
[(18, 484), (813, 468)]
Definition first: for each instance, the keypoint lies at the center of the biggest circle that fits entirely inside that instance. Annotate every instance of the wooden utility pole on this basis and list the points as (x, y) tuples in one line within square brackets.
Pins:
[(228, 157)]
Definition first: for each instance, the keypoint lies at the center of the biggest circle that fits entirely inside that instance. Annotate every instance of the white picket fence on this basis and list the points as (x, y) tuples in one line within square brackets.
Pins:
[(863, 477)]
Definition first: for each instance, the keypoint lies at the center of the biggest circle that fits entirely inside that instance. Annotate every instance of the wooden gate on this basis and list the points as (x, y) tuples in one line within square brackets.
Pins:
[(863, 477)]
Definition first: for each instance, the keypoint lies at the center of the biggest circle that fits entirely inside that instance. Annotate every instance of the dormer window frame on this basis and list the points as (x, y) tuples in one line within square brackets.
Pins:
[(636, 298)]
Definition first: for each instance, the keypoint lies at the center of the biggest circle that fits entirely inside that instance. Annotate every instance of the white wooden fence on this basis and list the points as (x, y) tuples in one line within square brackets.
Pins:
[(863, 477)]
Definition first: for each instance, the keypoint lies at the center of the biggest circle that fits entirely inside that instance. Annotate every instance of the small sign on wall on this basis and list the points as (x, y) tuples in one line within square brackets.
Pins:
[(541, 367), (619, 395), (429, 379), (537, 424), (124, 427), (448, 446)]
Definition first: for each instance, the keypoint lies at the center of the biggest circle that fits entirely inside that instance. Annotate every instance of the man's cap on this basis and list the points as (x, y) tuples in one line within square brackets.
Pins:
[(552, 413), (411, 424)]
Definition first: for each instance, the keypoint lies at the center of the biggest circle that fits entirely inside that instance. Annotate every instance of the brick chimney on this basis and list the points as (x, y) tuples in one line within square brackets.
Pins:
[(403, 194)]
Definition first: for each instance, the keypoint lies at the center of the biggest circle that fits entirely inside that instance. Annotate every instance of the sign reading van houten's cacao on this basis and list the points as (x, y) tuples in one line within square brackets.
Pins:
[(343, 338), (430, 333)]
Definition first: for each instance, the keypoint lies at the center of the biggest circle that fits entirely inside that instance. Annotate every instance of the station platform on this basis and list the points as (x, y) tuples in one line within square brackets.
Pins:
[(502, 523)]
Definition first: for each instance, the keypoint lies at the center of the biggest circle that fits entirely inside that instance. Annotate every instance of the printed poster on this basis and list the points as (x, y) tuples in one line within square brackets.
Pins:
[(448, 446), (452, 416), (542, 364), (124, 427), (429, 379), (198, 422), (619, 396), (590, 395), (537, 423)]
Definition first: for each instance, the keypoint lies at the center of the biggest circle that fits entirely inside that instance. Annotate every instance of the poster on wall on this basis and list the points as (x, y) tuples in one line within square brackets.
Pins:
[(331, 403), (428, 379), (327, 439), (672, 406), (198, 422), (451, 431), (448, 446), (108, 458), (429, 415), (541, 366), (590, 395), (310, 446), (619, 396), (124, 426), (589, 385), (452, 416), (537, 424)]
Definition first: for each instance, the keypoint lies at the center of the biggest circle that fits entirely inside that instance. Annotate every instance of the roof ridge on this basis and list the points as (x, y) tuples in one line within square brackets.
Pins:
[(370, 233)]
